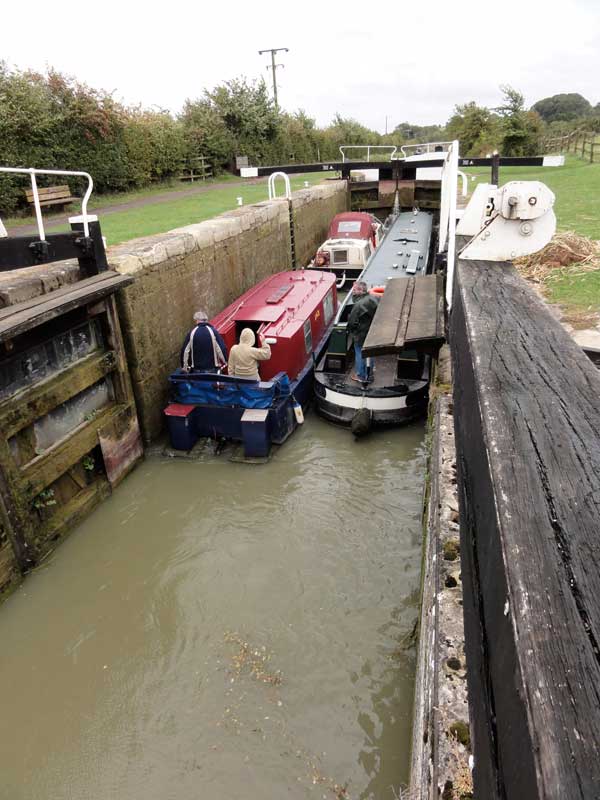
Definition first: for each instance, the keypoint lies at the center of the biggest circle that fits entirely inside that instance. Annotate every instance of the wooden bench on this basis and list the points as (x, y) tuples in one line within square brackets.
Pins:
[(51, 196)]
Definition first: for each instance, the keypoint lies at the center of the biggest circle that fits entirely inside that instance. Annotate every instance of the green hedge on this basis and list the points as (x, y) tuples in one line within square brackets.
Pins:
[(53, 122)]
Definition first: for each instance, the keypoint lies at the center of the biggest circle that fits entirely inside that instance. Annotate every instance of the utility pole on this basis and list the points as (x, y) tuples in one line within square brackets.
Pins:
[(274, 67)]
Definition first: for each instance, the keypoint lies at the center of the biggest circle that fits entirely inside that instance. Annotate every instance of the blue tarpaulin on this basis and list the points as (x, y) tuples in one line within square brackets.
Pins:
[(222, 390)]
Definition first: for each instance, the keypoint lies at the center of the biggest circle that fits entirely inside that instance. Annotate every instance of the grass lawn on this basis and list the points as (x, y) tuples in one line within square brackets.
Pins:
[(117, 198), (162, 217), (576, 186), (579, 293)]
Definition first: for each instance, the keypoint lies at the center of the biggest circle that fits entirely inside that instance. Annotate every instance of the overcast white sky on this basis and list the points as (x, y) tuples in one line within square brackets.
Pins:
[(411, 61)]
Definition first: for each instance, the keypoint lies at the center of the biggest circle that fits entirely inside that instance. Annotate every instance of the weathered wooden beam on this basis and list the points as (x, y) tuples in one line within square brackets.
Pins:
[(391, 318), (46, 468), (411, 312), (17, 319), (31, 403), (528, 454), (73, 512)]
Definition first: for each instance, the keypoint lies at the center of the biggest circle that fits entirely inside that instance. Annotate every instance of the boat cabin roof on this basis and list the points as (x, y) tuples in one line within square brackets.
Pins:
[(351, 225), (403, 251), (283, 301)]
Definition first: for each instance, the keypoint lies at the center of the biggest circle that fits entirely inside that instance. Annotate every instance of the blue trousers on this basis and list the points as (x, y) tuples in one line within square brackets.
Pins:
[(360, 365)]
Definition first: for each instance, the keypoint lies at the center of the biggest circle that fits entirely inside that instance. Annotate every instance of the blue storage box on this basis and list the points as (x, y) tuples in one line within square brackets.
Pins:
[(180, 425)]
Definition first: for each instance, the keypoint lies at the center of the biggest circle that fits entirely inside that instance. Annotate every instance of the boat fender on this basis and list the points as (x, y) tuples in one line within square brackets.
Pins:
[(361, 422), (298, 413), (377, 290)]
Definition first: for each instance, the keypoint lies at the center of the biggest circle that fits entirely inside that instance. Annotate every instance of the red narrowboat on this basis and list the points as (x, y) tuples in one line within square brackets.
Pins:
[(293, 312)]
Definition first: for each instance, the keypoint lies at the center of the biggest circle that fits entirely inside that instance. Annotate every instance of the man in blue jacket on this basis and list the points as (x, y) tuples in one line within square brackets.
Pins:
[(203, 349)]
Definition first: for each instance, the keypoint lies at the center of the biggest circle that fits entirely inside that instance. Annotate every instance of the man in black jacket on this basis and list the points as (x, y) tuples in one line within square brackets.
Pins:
[(359, 322), (203, 349)]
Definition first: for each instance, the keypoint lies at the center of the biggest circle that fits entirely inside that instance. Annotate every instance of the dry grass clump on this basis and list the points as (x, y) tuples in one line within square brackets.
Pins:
[(567, 253)]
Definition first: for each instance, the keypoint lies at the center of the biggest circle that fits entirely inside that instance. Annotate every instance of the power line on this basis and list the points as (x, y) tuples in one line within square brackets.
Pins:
[(274, 66)]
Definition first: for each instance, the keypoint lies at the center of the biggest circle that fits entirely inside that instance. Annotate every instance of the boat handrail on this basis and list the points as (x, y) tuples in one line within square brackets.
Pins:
[(36, 198), (368, 148), (272, 189)]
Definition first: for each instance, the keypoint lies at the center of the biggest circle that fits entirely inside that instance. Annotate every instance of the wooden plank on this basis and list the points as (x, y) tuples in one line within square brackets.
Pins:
[(61, 301), (8, 565), (33, 402), (45, 192), (58, 202), (390, 317), (121, 445), (528, 440), (411, 312), (46, 468), (73, 512), (8, 311), (426, 320)]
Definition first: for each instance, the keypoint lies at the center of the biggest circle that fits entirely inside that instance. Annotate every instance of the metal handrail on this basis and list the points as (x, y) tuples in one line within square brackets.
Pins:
[(271, 185), (447, 230), (368, 148), (36, 199)]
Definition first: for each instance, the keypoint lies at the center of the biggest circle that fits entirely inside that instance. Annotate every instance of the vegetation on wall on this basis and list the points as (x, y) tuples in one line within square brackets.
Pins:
[(53, 121)]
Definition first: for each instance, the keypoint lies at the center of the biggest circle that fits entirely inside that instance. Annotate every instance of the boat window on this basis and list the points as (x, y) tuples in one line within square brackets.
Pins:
[(328, 307), (349, 226), (340, 256), (307, 336)]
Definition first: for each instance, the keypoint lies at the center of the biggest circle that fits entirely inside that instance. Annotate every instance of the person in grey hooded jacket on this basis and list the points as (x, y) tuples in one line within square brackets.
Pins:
[(244, 357)]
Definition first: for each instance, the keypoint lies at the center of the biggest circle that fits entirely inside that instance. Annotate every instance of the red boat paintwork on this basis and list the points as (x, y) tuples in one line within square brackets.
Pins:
[(340, 220), (278, 307)]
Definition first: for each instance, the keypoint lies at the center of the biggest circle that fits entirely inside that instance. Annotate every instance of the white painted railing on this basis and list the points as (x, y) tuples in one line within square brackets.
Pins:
[(273, 190), (368, 148), (36, 198), (447, 233)]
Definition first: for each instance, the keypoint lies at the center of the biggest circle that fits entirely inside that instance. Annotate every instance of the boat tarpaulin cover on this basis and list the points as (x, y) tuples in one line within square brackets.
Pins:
[(218, 390)]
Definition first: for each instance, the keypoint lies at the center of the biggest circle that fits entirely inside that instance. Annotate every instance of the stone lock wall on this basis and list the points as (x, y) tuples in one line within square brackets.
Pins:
[(206, 265)]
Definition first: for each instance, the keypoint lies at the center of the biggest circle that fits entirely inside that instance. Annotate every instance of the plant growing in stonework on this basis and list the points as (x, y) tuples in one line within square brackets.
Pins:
[(44, 499), (88, 463)]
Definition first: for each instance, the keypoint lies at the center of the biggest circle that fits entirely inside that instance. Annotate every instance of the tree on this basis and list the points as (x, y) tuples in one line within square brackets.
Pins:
[(407, 132), (249, 115), (521, 130), (561, 107), (206, 133), (476, 127)]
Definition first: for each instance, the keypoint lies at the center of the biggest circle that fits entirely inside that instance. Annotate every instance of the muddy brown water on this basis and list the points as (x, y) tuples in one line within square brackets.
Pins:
[(219, 630)]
